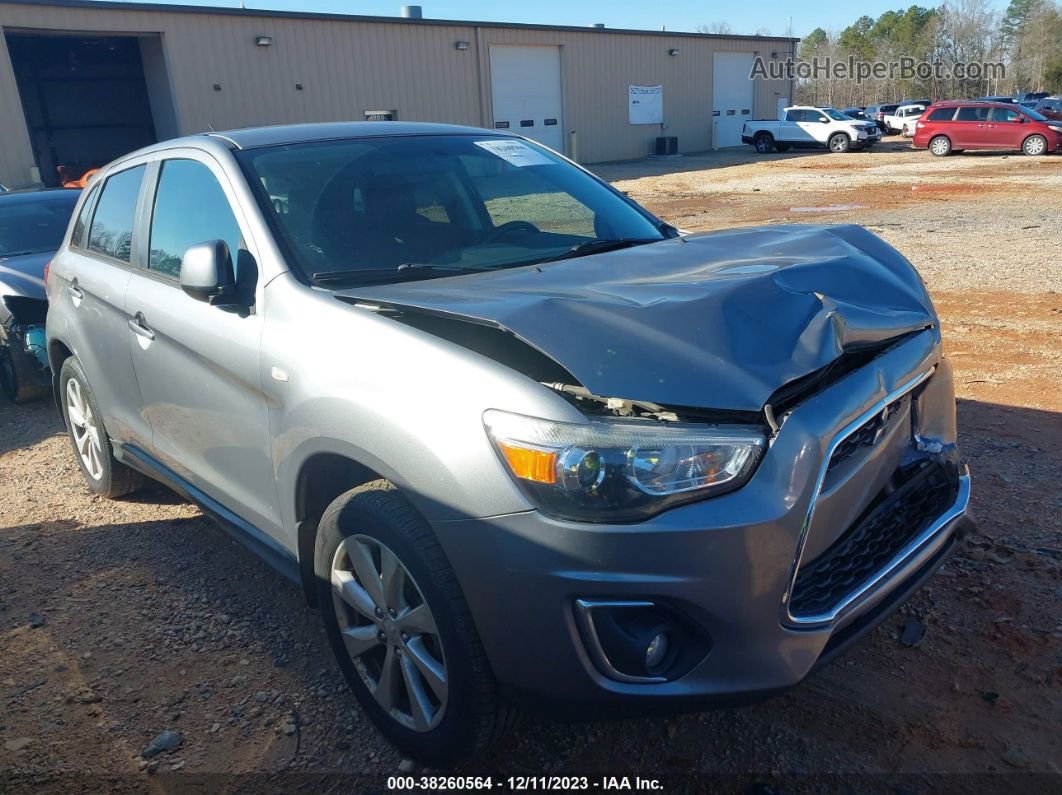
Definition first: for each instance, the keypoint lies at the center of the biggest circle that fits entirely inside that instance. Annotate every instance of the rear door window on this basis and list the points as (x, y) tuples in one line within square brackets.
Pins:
[(973, 114), (112, 223), (190, 208)]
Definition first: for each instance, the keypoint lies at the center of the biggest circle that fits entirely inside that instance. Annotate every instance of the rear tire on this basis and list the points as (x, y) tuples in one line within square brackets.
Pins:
[(104, 474), (764, 143), (460, 712), (839, 143), (1034, 146), (940, 145)]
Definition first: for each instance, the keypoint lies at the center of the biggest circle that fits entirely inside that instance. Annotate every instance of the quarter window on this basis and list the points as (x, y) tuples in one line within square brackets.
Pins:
[(190, 208), (78, 235), (941, 114), (112, 224)]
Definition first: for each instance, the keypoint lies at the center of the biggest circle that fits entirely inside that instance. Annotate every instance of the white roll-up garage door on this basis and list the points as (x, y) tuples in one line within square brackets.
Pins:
[(733, 96), (525, 87)]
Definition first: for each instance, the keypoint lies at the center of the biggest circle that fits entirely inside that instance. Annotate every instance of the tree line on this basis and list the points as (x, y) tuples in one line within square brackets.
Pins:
[(1026, 39)]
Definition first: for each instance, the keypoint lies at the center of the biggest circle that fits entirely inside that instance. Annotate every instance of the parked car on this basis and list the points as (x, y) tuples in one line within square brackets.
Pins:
[(32, 225), (1003, 100), (516, 438), (856, 113), (1032, 96), (877, 113), (1050, 108), (903, 117), (805, 127), (956, 126)]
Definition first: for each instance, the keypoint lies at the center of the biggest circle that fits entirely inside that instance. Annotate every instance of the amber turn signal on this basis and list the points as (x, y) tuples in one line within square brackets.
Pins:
[(537, 465)]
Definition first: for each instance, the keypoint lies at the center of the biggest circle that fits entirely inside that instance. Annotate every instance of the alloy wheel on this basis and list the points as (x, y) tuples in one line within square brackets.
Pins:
[(1035, 146), (939, 146), (389, 632), (84, 429)]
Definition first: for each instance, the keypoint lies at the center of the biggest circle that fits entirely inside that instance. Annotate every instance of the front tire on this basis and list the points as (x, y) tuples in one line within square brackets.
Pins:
[(839, 143), (940, 146), (104, 474), (764, 143), (401, 630), (1034, 145)]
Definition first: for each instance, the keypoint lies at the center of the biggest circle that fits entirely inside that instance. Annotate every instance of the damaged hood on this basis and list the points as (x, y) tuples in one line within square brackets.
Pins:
[(24, 275), (717, 320)]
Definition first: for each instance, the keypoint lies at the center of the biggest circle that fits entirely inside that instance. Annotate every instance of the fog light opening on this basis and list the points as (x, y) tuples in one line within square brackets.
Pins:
[(640, 641), (656, 652)]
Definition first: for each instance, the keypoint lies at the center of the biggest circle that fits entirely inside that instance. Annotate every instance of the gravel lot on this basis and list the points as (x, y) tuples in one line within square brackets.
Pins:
[(122, 620)]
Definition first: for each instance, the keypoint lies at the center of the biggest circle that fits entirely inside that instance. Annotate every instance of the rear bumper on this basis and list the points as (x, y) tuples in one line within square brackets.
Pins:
[(746, 139), (726, 566)]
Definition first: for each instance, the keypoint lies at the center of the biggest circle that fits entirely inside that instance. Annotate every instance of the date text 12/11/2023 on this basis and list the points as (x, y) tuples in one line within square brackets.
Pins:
[(523, 783)]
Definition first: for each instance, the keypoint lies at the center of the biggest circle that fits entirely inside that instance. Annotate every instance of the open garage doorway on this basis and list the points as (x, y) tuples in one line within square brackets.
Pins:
[(89, 99)]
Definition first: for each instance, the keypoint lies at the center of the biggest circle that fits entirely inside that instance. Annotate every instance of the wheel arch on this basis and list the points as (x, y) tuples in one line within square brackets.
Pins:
[(1025, 140), (58, 352)]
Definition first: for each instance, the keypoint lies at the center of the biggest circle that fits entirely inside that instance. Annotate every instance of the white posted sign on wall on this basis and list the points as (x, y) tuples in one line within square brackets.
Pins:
[(646, 104)]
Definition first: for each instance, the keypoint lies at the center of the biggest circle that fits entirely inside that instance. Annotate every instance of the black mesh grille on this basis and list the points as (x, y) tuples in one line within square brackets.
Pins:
[(874, 539), (869, 433)]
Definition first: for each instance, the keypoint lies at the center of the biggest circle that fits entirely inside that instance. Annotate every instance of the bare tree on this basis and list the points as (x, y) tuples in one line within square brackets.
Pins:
[(719, 28)]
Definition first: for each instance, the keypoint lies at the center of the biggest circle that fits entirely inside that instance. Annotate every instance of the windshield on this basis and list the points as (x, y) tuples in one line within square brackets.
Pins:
[(1035, 115), (411, 207), (34, 226), (836, 115)]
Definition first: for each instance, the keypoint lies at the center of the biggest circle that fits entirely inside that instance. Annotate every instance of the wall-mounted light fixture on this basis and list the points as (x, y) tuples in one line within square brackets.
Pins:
[(263, 41), (462, 45), (673, 51)]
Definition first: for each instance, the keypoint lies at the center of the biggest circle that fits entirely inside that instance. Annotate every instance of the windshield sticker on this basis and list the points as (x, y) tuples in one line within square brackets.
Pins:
[(515, 152)]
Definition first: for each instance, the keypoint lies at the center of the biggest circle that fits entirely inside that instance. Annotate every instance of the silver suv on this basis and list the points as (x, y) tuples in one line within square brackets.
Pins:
[(515, 437)]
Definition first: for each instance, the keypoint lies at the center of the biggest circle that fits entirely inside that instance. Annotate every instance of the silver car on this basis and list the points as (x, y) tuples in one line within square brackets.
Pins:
[(516, 438)]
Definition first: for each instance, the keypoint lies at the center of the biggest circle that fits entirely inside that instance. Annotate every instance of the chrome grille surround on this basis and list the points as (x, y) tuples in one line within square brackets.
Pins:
[(923, 544)]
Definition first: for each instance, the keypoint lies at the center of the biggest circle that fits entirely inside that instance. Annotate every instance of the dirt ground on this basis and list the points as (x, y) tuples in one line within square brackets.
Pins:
[(120, 620)]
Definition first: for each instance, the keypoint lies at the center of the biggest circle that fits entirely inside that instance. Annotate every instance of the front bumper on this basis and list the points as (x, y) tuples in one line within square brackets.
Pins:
[(727, 565)]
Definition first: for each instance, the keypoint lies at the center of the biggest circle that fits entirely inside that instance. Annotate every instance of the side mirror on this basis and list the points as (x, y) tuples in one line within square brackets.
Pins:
[(824, 120), (207, 273)]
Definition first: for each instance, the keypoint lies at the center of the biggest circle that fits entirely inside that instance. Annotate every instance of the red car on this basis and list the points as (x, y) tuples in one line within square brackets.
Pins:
[(954, 126)]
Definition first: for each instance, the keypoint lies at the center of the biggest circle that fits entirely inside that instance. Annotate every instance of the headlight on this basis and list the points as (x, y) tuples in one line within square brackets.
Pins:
[(621, 470)]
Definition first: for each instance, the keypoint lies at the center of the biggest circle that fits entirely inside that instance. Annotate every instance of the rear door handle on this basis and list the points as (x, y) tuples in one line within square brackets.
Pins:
[(140, 327), (75, 292)]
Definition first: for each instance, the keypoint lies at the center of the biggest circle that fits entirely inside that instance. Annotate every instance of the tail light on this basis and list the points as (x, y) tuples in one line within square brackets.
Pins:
[(47, 271)]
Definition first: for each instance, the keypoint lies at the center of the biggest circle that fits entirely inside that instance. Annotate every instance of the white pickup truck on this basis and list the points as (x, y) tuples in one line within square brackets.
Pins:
[(803, 126), (904, 118)]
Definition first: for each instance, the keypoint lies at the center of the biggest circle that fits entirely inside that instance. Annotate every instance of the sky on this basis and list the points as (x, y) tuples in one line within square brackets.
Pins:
[(678, 15)]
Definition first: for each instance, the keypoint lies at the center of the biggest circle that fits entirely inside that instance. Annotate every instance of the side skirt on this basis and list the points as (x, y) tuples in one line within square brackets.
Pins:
[(241, 530)]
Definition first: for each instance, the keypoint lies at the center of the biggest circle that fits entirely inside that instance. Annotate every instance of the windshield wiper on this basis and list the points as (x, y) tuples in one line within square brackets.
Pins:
[(402, 271), (601, 245)]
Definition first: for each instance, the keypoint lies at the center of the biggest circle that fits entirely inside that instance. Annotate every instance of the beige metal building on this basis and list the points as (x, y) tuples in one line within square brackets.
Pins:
[(82, 82)]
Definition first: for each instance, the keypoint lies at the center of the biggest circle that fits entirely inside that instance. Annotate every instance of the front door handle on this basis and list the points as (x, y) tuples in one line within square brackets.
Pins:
[(140, 327)]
